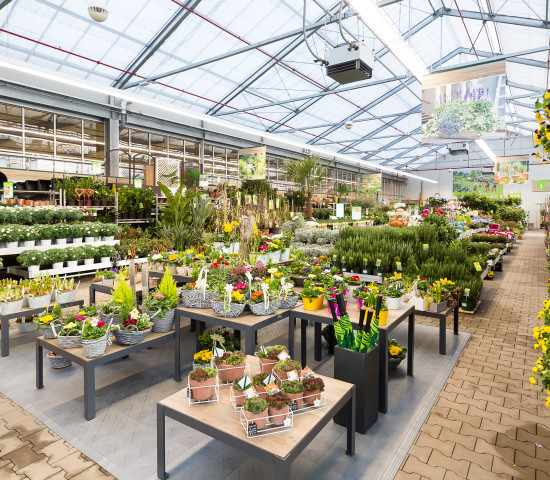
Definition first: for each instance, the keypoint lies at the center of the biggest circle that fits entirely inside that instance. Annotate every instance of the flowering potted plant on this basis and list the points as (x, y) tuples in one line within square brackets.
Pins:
[(264, 299), (135, 328), (104, 253), (162, 303), (95, 336), (11, 300), (313, 386), (56, 256), (312, 296), (289, 296), (230, 365), (278, 407), (393, 297), (295, 391), (269, 357), (437, 303), (202, 383), (70, 334), (65, 290), (32, 259), (231, 300), (204, 357), (39, 294), (255, 411), (239, 391), (49, 322), (283, 367), (396, 353)]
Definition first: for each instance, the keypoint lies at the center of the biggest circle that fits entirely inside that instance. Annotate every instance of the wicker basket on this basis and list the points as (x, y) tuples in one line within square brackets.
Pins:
[(131, 337), (70, 341), (235, 309), (260, 310), (47, 332), (58, 361), (162, 324), (290, 302), (195, 299), (95, 348)]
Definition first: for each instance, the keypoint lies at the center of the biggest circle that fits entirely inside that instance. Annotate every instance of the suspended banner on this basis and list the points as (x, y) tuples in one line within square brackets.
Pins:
[(252, 163), (541, 186), (372, 183), (476, 181), (513, 169), (464, 104)]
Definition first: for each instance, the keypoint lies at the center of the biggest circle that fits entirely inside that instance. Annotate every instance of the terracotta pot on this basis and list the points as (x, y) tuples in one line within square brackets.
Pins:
[(260, 419), (310, 397), (230, 373), (203, 390), (281, 375), (240, 397), (261, 392), (299, 397), (266, 365), (277, 417)]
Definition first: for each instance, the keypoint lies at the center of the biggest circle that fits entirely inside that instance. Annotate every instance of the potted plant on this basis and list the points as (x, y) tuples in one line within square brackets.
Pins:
[(437, 303), (202, 383), (259, 384), (11, 300), (104, 253), (56, 256), (32, 259), (289, 296), (230, 302), (238, 391), (61, 233), (134, 330), (393, 297), (283, 367), (396, 353), (11, 234), (26, 324), (383, 313), (490, 275), (278, 407), (230, 365), (267, 303), (162, 303), (270, 357), (295, 391), (29, 237), (70, 334), (108, 231), (354, 282), (313, 386), (65, 290), (49, 322), (312, 296), (76, 232), (95, 335), (203, 357), (39, 294), (255, 411)]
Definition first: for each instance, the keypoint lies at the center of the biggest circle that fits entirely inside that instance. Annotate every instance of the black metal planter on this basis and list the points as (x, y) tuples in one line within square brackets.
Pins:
[(362, 370)]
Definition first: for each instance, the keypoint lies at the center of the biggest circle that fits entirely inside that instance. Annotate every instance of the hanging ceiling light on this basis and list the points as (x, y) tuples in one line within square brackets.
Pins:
[(98, 11)]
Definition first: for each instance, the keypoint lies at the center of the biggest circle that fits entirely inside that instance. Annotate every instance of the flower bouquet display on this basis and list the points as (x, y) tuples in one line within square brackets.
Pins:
[(39, 293), (134, 329), (198, 294), (289, 296), (162, 304), (95, 337)]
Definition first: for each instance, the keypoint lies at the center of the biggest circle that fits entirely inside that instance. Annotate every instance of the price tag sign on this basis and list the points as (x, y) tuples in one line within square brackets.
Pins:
[(203, 180), (307, 372), (398, 266), (248, 199), (477, 266), (250, 392), (243, 382), (277, 202), (283, 355), (189, 393), (378, 262), (425, 246), (138, 182), (269, 379), (271, 388), (293, 406), (96, 168), (293, 375), (218, 352), (252, 429), (271, 204), (466, 292), (255, 199)]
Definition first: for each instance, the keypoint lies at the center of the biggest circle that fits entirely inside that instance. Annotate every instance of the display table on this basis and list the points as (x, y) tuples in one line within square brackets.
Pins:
[(322, 316), (26, 312), (247, 323), (113, 352), (177, 278), (442, 316), (107, 289), (220, 421)]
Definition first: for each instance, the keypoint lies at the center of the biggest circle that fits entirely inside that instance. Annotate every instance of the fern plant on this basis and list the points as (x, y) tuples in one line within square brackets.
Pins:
[(168, 288)]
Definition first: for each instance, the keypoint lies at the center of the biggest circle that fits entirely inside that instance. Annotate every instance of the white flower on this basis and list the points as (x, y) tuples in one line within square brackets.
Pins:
[(273, 270), (228, 288), (338, 278)]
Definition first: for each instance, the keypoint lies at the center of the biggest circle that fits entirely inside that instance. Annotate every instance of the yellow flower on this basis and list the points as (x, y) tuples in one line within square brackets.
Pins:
[(397, 275), (119, 300), (535, 370), (46, 319), (547, 95), (539, 117), (537, 140), (533, 381), (237, 296), (173, 257), (82, 312), (547, 402), (394, 350), (278, 274)]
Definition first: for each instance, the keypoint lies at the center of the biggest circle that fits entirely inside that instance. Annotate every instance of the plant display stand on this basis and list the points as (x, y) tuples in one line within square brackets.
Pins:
[(470, 312), (26, 312), (221, 422), (442, 316), (113, 352)]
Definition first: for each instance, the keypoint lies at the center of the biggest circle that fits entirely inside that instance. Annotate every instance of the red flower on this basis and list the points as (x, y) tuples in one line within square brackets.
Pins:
[(220, 259), (226, 263), (100, 324), (215, 265), (226, 333)]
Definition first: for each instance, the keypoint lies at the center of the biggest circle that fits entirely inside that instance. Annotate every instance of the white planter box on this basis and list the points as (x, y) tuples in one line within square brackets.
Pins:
[(77, 241), (105, 259), (57, 265), (39, 302), (109, 238), (12, 244), (285, 255), (89, 261), (33, 270), (61, 241), (11, 307), (28, 243), (72, 263), (89, 239), (46, 242)]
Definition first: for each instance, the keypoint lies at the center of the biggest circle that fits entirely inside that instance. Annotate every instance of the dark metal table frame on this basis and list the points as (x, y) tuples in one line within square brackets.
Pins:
[(97, 287), (311, 315), (282, 466), (177, 278), (90, 364), (5, 321), (442, 316), (250, 331)]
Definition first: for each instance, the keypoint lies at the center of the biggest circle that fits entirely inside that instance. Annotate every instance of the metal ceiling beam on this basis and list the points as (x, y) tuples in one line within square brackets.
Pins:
[(252, 46), (5, 3), (314, 95), (391, 144), (157, 41), (360, 140), (485, 17), (530, 88), (295, 43), (385, 3), (519, 104)]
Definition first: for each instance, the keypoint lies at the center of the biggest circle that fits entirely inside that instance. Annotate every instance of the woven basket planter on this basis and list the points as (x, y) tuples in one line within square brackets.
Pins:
[(58, 361), (131, 337), (195, 299), (69, 341), (235, 310), (290, 302), (260, 310), (47, 332), (95, 348), (162, 324)]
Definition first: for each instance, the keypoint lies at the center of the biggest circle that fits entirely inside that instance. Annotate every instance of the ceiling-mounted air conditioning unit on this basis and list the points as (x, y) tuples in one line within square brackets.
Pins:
[(347, 64), (459, 148)]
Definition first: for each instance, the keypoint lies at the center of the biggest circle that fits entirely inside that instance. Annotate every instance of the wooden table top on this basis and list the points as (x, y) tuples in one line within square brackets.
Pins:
[(223, 416), (247, 319)]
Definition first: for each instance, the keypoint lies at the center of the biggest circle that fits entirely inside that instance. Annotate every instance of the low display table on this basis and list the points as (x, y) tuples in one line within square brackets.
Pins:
[(220, 421), (107, 289), (247, 323), (177, 278), (442, 316), (113, 352), (5, 321), (322, 316)]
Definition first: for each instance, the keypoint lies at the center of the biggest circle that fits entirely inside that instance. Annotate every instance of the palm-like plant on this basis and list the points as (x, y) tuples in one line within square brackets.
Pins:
[(309, 172)]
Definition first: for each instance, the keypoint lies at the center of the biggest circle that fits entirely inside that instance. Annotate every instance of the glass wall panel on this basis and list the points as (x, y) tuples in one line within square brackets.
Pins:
[(11, 129), (68, 128), (207, 164)]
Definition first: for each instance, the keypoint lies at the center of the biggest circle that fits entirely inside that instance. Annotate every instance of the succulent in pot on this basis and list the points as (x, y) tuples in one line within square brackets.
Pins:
[(202, 382), (283, 367), (270, 357), (313, 386), (278, 407), (295, 390), (230, 365), (255, 411), (239, 391), (259, 384)]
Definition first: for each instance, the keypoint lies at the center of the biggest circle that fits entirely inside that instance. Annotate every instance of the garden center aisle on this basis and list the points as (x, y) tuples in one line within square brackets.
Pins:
[(488, 418)]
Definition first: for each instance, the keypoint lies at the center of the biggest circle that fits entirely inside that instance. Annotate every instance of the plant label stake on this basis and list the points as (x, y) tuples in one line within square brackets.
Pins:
[(269, 379), (79, 192), (252, 429), (293, 406), (283, 355), (293, 375)]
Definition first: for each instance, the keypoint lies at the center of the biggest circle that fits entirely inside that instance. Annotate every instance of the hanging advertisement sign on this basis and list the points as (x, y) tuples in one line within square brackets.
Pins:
[(203, 180), (513, 169), (138, 182), (476, 181), (340, 210), (96, 168), (252, 163), (356, 213), (372, 183), (464, 104), (540, 186), (8, 190)]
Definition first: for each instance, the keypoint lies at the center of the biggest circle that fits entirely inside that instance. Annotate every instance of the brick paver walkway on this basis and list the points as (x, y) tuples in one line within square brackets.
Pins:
[(488, 421)]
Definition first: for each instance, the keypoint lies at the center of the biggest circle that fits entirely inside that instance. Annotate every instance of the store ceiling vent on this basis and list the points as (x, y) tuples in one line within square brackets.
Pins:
[(459, 148), (347, 64)]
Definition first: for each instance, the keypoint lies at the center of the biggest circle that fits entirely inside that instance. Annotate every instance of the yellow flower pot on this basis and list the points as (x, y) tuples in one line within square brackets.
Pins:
[(314, 303), (383, 317)]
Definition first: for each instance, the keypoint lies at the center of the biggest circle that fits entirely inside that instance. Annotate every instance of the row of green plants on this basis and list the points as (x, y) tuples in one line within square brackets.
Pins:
[(132, 199), (32, 215), (142, 241), (101, 193), (55, 255), (14, 233)]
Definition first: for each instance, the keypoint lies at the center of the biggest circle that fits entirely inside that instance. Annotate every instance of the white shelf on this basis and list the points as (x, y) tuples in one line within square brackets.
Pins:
[(18, 250)]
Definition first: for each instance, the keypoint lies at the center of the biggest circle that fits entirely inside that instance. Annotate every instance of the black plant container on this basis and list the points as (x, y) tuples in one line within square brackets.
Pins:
[(361, 369)]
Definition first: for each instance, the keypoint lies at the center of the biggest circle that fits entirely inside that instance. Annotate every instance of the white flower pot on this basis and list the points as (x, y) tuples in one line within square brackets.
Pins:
[(26, 327), (77, 241), (264, 258), (62, 241), (39, 302), (12, 244), (109, 238), (89, 239), (275, 256), (11, 307), (285, 255), (420, 303), (65, 297), (33, 270), (72, 263), (182, 270), (28, 243), (394, 303), (97, 239), (57, 265), (109, 282), (105, 259), (46, 242), (89, 261)]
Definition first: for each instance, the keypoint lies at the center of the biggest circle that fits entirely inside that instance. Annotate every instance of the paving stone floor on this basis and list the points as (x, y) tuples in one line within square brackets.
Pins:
[(488, 422)]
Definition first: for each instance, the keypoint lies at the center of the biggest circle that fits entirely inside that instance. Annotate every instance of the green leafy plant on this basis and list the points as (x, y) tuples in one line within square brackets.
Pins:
[(201, 374), (278, 400), (237, 387), (288, 365), (28, 258), (292, 387), (255, 405), (124, 297), (272, 352), (56, 255), (312, 384), (230, 358)]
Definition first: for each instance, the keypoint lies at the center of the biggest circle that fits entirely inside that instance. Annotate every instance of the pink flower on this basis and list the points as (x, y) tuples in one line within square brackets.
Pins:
[(263, 248), (248, 268), (100, 324), (159, 295)]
